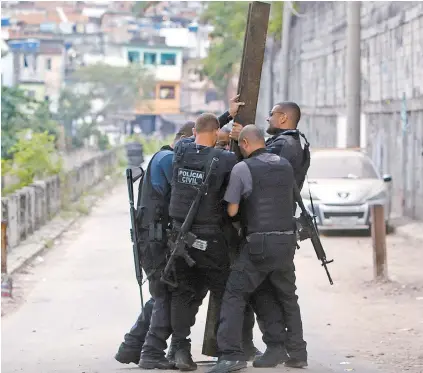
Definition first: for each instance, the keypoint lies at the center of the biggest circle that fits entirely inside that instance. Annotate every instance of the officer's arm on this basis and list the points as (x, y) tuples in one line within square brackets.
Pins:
[(225, 118), (236, 189), (232, 209), (234, 105), (166, 167)]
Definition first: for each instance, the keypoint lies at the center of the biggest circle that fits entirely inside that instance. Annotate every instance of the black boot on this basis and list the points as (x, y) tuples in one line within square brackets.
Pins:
[(171, 354), (296, 363), (127, 355), (271, 357), (155, 363), (183, 360), (226, 366), (252, 353)]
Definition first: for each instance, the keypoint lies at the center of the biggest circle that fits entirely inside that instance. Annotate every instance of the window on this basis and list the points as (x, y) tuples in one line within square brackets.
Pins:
[(168, 59), (46, 98), (133, 57), (167, 92), (30, 93), (150, 58), (48, 64), (25, 61)]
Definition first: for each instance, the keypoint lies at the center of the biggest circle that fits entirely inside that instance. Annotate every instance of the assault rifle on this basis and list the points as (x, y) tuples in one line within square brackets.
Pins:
[(185, 237), (130, 180), (309, 230)]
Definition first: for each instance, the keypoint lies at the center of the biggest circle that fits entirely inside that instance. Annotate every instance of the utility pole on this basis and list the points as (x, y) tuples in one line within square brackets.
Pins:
[(353, 80), (286, 26)]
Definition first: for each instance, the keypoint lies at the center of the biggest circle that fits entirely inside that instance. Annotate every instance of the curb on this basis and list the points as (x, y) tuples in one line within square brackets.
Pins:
[(43, 247)]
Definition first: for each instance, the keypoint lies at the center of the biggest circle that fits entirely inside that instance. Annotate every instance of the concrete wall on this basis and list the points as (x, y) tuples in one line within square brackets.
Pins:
[(392, 82), (7, 74), (31, 207)]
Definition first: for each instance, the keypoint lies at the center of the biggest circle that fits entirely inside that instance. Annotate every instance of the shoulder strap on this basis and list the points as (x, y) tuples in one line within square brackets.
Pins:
[(293, 133)]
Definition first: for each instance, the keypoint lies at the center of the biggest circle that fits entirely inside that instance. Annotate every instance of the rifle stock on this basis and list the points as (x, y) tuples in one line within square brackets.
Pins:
[(134, 229), (185, 237), (310, 231)]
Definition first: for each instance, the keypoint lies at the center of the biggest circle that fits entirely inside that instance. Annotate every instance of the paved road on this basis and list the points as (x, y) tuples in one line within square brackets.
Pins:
[(83, 297)]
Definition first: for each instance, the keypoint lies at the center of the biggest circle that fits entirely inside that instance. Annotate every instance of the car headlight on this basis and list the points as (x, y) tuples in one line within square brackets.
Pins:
[(377, 197)]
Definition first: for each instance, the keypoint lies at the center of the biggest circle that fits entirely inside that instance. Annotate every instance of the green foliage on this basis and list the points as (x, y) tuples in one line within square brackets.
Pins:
[(229, 20), (119, 88), (140, 7), (19, 112), (103, 141), (114, 89), (72, 107), (34, 156)]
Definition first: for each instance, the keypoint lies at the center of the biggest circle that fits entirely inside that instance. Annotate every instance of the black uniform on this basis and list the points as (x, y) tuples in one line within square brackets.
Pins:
[(152, 208), (212, 265), (287, 144), (267, 253)]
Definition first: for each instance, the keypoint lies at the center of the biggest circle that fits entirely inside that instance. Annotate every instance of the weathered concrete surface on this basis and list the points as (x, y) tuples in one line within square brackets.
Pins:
[(75, 306), (391, 86)]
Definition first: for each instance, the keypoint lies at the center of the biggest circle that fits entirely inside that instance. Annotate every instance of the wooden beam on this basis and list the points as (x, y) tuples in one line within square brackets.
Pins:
[(380, 265), (251, 63), (248, 88)]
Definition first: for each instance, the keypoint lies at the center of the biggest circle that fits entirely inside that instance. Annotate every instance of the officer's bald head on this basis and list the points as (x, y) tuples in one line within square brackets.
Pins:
[(250, 139)]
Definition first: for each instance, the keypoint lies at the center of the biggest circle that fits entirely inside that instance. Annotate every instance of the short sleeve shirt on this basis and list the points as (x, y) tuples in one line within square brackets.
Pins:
[(241, 182)]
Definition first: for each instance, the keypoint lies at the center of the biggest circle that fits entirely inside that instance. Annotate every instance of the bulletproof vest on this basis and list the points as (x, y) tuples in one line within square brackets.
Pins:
[(269, 206), (151, 206), (294, 153), (189, 171)]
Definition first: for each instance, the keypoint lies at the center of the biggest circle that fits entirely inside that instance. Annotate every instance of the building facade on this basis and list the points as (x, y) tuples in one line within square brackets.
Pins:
[(38, 68)]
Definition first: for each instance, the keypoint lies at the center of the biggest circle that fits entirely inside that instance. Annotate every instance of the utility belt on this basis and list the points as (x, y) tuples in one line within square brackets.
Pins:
[(199, 230), (156, 231), (272, 233)]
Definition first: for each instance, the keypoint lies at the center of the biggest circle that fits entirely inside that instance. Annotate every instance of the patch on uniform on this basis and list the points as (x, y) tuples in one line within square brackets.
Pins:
[(200, 244), (191, 177)]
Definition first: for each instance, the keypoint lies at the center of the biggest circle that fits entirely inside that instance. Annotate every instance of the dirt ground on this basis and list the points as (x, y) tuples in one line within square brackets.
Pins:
[(377, 321), (355, 320)]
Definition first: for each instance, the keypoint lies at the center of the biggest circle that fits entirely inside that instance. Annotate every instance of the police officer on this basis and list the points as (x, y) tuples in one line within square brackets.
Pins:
[(152, 211), (263, 183), (286, 138), (212, 261), (223, 139), (152, 355), (285, 142)]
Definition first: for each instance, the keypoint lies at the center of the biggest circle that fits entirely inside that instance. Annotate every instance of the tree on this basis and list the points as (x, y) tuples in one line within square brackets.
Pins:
[(74, 108), (18, 112), (115, 88), (140, 7), (229, 21), (34, 156), (100, 91)]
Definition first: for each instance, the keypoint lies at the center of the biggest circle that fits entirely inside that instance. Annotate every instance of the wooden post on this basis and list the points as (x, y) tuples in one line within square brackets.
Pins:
[(248, 88), (380, 266), (4, 247), (251, 64)]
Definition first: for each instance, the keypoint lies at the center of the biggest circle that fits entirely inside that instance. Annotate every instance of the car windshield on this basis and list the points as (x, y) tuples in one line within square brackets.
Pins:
[(341, 167)]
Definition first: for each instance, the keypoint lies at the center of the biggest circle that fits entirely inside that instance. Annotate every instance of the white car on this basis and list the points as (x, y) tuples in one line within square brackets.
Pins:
[(343, 184)]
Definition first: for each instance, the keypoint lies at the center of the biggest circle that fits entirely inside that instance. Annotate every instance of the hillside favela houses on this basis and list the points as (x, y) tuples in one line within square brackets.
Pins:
[(43, 43)]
